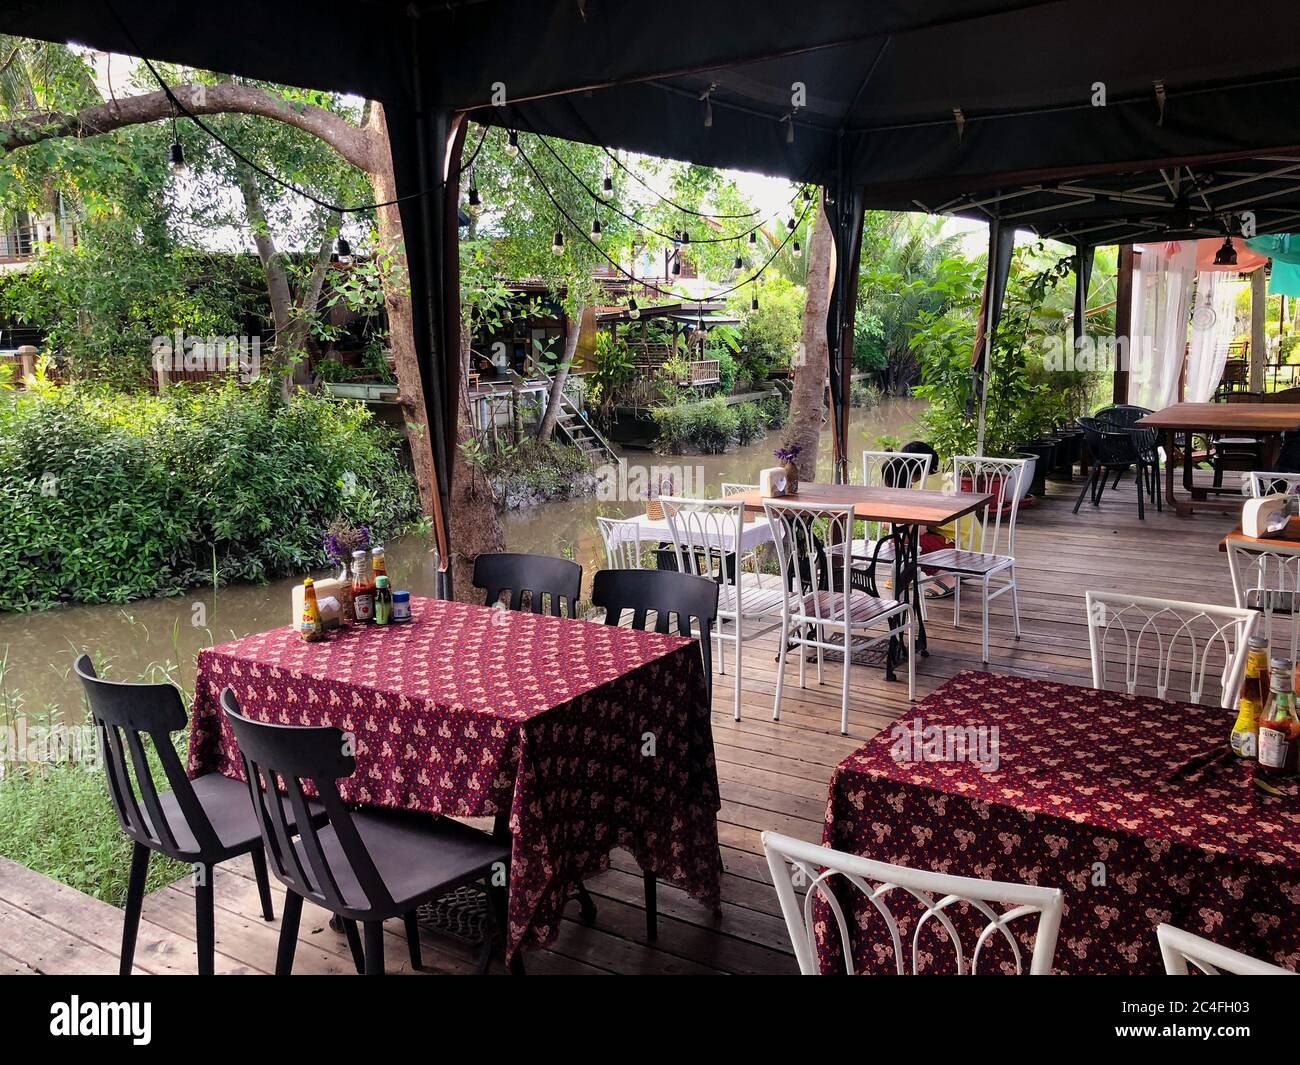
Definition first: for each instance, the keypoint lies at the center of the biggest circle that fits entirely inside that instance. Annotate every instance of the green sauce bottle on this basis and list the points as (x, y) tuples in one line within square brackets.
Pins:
[(383, 601)]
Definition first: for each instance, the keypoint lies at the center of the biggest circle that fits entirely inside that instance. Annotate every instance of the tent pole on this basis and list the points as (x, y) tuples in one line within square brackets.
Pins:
[(843, 207), (1123, 322), (1258, 341), (1001, 243)]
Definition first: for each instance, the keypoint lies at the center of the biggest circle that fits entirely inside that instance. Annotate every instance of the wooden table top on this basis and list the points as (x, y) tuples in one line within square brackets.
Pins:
[(1226, 417), (899, 506), (1287, 539)]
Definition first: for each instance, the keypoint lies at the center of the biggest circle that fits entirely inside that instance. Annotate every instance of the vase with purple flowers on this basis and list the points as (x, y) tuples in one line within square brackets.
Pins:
[(338, 543), (786, 455)]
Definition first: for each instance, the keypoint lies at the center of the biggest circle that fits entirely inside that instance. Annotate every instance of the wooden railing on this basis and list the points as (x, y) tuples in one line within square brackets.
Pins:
[(704, 372)]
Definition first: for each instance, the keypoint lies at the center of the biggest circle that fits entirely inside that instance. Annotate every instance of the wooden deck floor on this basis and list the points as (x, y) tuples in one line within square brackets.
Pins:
[(773, 775)]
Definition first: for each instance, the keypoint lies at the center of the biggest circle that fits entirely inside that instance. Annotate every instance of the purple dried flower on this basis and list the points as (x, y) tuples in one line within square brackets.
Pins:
[(788, 452)]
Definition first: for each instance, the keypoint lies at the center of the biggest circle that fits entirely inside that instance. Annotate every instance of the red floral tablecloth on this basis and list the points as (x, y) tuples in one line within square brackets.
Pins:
[(589, 736), (1096, 793)]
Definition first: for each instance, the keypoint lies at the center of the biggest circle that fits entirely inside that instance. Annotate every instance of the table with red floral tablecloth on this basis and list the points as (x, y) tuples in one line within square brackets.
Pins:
[(1106, 796), (587, 736)]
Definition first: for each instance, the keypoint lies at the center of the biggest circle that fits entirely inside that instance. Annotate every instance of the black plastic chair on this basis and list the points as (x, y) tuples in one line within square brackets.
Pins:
[(365, 866), (1112, 452), (694, 602), (542, 575), (1119, 417), (201, 822)]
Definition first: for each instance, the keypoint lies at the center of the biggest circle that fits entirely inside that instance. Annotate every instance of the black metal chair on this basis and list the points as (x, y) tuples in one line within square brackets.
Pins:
[(541, 575), (1112, 452), (201, 822), (694, 602), (363, 865), (1119, 417)]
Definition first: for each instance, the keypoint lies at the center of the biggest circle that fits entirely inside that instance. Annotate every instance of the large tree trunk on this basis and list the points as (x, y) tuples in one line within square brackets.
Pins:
[(472, 522), (808, 396), (547, 428)]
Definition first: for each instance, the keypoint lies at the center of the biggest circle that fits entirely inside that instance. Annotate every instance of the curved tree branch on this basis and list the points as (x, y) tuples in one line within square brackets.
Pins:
[(353, 143)]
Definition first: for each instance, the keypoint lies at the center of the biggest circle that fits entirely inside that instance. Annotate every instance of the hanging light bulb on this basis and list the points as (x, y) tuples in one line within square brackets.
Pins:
[(798, 251), (512, 144), (609, 183), (807, 195), (632, 310), (596, 232), (753, 303), (791, 223), (686, 236), (344, 251), (474, 205), (677, 267), (738, 265), (753, 237), (1226, 255), (177, 159), (557, 245), (789, 129)]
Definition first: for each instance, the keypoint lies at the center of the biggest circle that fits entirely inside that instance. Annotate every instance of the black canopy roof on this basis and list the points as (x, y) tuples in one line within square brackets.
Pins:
[(990, 108)]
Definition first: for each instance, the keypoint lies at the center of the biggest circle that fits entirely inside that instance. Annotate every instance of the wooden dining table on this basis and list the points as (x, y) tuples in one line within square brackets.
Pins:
[(907, 511), (1267, 421)]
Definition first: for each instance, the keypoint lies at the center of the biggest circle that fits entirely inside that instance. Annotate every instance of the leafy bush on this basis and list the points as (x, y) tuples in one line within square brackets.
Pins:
[(862, 394), (775, 408), (750, 423), (708, 426), (519, 474), (106, 497)]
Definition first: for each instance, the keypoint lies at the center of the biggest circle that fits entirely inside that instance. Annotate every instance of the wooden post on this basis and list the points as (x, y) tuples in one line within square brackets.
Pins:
[(26, 361), (1123, 321), (1258, 307)]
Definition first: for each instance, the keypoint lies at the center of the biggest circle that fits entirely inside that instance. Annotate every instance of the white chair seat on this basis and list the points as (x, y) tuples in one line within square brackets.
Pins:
[(755, 601), (976, 563), (829, 607)]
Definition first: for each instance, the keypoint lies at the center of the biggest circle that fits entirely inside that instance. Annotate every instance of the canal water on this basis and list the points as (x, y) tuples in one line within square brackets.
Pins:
[(161, 637)]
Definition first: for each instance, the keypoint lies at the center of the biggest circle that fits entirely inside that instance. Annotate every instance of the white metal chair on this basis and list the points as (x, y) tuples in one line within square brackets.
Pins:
[(819, 602), (622, 541), (1178, 948), (886, 469), (934, 894), (1259, 483), (732, 488), (985, 549), (707, 535), (1154, 630), (1267, 581)]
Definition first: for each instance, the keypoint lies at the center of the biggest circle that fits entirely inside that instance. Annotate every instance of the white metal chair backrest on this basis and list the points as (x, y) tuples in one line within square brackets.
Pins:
[(1177, 948), (1261, 483), (706, 536), (622, 541), (821, 870), (734, 488), (803, 533), (1269, 582), (1155, 631), (995, 531), (894, 469)]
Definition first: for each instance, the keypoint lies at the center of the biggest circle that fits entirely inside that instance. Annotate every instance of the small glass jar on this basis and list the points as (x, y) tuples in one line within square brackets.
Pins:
[(401, 606)]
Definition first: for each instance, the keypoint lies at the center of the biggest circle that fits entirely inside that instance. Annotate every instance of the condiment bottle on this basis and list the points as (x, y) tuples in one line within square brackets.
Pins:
[(310, 626), (1279, 726), (378, 563), (401, 606), (383, 601), (1245, 731), (363, 588)]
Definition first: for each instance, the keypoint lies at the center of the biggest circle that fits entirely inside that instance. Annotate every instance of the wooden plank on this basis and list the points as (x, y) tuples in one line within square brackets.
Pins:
[(1226, 417), (900, 506)]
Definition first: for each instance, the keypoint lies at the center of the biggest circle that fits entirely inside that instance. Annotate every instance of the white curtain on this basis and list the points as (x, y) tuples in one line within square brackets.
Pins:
[(1162, 285), (1214, 314)]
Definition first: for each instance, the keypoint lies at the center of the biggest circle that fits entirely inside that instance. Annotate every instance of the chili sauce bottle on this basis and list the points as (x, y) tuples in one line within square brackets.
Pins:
[(363, 588), (1279, 725), (310, 626)]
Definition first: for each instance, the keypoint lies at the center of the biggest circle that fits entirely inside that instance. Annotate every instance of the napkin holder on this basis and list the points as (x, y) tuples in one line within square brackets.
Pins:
[(771, 482), (1265, 517), (330, 594)]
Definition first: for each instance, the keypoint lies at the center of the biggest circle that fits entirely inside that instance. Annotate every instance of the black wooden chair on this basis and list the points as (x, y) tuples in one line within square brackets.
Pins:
[(542, 575), (694, 602), (201, 822), (364, 865)]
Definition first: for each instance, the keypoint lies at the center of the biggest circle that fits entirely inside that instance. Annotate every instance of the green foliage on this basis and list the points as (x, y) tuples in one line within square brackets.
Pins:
[(106, 497), (775, 408), (611, 370), (864, 394), (1022, 403), (708, 426), (751, 424), (769, 336), (532, 468)]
